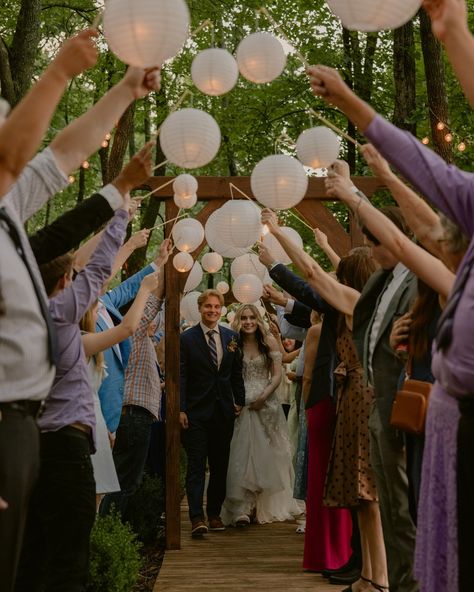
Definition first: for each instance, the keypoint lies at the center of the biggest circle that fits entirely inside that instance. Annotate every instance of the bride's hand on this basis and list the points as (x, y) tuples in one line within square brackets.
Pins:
[(257, 404)]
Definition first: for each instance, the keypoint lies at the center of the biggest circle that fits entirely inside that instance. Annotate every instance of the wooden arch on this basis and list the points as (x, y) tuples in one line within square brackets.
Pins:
[(216, 191)]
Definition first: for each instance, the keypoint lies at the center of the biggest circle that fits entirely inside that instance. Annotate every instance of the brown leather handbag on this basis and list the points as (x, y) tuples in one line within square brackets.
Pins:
[(410, 406)]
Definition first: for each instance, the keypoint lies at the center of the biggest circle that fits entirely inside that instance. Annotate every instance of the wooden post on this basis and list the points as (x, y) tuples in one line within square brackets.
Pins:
[(173, 431)]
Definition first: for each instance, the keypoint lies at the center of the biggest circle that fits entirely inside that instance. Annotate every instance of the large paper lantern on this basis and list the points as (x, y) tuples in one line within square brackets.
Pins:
[(183, 262), (185, 202), (260, 57), (194, 277), (145, 33), (248, 263), (212, 262), (215, 240), (223, 287), (187, 234), (239, 223), (185, 185), (279, 181), (374, 15), (247, 288), (277, 250), (318, 147), (190, 138), (214, 71), (189, 308)]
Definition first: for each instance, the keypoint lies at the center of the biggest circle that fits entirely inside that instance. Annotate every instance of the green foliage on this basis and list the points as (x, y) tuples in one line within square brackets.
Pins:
[(114, 556), (145, 509)]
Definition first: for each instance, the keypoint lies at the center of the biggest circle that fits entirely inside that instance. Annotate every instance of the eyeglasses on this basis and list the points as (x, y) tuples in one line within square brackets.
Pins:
[(444, 330)]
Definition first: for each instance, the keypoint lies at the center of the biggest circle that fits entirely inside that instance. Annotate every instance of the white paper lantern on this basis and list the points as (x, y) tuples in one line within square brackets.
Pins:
[(185, 202), (145, 33), (267, 279), (185, 185), (261, 309), (189, 307), (194, 277), (279, 182), (373, 15), (277, 250), (214, 71), (190, 138), (248, 263), (231, 316), (212, 262), (318, 147), (223, 311), (183, 262), (260, 57), (247, 288), (187, 234), (238, 223), (223, 287), (216, 242)]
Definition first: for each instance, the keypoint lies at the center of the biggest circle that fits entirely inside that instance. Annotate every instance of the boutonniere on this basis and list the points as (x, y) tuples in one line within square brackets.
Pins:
[(233, 345)]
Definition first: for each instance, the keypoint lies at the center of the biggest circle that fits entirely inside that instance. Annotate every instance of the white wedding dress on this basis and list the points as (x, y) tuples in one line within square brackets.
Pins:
[(260, 475)]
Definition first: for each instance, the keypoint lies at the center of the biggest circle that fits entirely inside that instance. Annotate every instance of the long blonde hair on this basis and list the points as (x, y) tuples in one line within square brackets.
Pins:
[(261, 334), (87, 325)]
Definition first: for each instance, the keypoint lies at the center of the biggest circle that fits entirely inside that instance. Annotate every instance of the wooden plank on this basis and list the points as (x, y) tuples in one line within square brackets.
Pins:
[(318, 215)]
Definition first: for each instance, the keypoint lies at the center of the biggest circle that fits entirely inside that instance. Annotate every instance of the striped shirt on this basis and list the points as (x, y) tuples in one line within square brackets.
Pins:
[(142, 381)]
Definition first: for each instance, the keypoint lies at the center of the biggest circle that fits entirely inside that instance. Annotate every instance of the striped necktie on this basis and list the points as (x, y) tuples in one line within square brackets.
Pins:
[(212, 346)]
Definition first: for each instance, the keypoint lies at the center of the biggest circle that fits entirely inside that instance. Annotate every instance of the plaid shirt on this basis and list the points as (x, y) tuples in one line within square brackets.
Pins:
[(142, 381)]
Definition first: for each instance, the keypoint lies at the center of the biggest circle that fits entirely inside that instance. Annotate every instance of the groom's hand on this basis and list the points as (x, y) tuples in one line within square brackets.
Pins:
[(238, 409), (183, 420)]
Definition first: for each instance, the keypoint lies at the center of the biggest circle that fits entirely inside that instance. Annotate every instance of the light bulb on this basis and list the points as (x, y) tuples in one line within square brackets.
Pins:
[(425, 141), (461, 146), (440, 126), (107, 136), (85, 165), (448, 137), (71, 179)]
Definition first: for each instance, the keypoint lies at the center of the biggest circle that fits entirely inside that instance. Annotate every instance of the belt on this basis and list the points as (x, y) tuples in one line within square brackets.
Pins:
[(25, 406), (135, 409)]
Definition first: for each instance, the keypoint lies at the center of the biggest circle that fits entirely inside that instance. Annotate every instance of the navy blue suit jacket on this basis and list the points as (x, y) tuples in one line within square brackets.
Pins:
[(202, 384)]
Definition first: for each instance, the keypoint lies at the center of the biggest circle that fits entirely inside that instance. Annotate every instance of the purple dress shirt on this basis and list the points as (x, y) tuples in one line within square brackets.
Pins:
[(71, 399)]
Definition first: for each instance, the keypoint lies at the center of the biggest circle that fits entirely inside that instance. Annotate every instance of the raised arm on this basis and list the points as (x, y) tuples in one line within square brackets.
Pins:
[(427, 267), (339, 296), (323, 243)]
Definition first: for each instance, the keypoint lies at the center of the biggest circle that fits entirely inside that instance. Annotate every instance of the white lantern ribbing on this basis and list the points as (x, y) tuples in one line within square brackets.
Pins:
[(190, 138), (318, 147), (194, 277), (260, 57), (279, 181), (223, 287), (373, 15), (189, 307), (185, 185), (212, 262), (239, 223), (216, 242), (277, 250), (187, 234), (145, 33), (182, 262), (214, 71), (185, 202), (247, 288), (248, 263)]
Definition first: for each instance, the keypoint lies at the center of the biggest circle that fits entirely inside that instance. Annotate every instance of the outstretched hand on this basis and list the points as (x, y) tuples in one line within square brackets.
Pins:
[(273, 295), (77, 54), (164, 252), (269, 219), (265, 256), (136, 171), (447, 16), (338, 186), (142, 81), (327, 83), (139, 239), (376, 161)]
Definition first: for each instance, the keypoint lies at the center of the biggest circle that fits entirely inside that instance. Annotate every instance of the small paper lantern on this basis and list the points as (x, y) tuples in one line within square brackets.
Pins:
[(247, 288), (214, 71), (318, 147), (238, 223), (212, 262), (189, 307), (277, 250), (185, 185), (231, 316), (260, 57), (182, 262), (190, 138), (185, 202), (223, 311), (187, 234), (248, 263), (194, 277), (373, 15), (216, 242), (223, 287), (279, 182), (145, 33)]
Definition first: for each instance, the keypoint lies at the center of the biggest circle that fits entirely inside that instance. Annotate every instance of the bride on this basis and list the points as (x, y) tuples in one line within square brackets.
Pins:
[(260, 474)]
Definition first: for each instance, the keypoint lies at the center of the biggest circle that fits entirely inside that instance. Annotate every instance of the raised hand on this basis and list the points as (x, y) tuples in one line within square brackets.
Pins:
[(139, 239), (321, 238), (340, 167), (151, 281), (269, 219), (141, 82), (164, 252), (338, 186), (77, 54), (447, 16), (136, 171), (273, 295), (264, 254), (327, 83), (376, 162)]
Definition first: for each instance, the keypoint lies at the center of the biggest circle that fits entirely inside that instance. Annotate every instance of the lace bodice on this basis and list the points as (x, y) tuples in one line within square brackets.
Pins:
[(257, 375)]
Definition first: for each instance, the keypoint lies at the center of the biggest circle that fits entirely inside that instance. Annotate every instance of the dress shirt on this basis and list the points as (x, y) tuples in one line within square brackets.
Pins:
[(71, 399), (217, 339), (142, 380), (287, 330), (399, 273)]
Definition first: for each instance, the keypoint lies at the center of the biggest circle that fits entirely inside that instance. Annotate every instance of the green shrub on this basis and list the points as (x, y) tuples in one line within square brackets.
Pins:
[(145, 508), (115, 559)]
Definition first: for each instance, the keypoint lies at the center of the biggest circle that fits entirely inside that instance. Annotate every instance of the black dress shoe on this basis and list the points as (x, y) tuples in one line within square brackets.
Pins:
[(348, 566), (348, 577)]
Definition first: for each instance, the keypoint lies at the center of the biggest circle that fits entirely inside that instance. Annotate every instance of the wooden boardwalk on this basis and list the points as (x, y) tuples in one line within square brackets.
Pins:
[(258, 557)]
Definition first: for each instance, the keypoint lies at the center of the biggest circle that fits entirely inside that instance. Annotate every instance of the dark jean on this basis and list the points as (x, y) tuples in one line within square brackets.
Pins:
[(130, 453), (55, 553)]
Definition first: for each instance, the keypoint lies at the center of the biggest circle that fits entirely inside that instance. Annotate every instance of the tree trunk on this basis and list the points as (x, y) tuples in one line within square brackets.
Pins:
[(120, 144), (404, 73)]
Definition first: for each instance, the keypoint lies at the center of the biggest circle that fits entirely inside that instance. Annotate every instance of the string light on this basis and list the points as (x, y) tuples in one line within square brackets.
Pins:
[(71, 179), (425, 141), (448, 137), (461, 146), (440, 126), (104, 144), (85, 165), (108, 136)]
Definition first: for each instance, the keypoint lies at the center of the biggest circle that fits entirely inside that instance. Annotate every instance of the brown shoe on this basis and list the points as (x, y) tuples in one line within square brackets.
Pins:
[(198, 527), (215, 523)]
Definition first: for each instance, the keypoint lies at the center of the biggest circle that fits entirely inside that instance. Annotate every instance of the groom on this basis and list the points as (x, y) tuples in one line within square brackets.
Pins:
[(212, 395)]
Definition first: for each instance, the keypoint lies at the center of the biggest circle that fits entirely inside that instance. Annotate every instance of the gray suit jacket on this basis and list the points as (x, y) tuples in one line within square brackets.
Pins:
[(386, 367)]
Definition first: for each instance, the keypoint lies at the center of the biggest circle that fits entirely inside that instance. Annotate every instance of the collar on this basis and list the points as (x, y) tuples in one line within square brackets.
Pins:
[(399, 270), (206, 329)]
